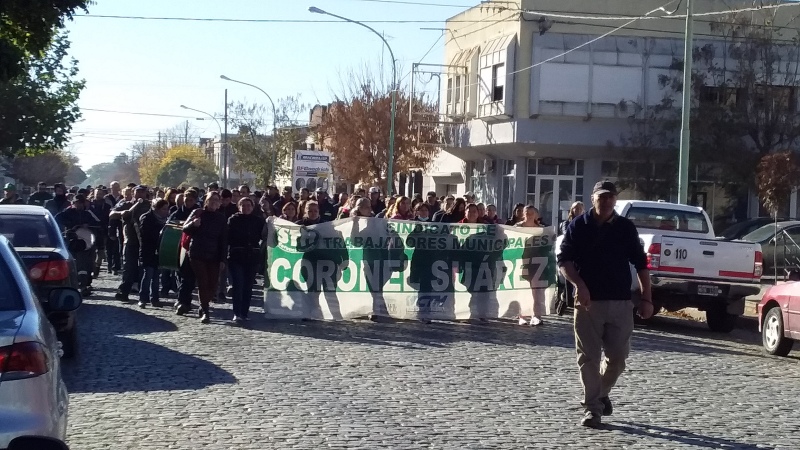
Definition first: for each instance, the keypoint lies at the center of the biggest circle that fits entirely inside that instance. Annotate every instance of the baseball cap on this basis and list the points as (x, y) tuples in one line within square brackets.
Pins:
[(213, 185), (9, 187), (79, 198), (321, 191), (374, 190), (469, 194), (431, 194), (287, 189), (604, 187), (140, 187)]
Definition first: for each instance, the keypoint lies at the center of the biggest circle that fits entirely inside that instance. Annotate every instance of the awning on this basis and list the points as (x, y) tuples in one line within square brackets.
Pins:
[(464, 57), (447, 177)]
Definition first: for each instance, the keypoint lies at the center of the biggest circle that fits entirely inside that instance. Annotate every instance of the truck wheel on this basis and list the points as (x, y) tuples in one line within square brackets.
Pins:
[(720, 321), (772, 334), (69, 342)]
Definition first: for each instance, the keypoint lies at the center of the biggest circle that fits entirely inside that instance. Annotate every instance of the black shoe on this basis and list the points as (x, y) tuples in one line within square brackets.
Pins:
[(142, 305), (608, 408), (182, 309), (121, 296), (156, 304), (205, 318), (591, 420)]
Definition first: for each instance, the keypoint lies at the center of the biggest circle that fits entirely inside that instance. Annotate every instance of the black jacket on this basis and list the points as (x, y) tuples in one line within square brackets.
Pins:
[(15, 201), (229, 210), (209, 240), (308, 222), (244, 238), (57, 204), (327, 212), (181, 214), (39, 198), (130, 219), (72, 217), (149, 234)]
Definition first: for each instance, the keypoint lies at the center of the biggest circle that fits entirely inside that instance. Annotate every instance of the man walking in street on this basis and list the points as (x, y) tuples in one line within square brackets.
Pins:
[(10, 196), (596, 254), (41, 196), (131, 212)]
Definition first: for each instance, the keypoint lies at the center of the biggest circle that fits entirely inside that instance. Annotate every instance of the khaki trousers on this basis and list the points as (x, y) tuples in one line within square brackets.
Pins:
[(605, 329)]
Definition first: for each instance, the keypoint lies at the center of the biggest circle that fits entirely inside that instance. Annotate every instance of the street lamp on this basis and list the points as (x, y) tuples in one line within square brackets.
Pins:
[(224, 143), (274, 123), (389, 174)]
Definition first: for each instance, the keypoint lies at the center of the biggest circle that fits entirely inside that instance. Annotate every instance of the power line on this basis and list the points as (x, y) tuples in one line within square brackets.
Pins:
[(136, 113), (667, 16), (401, 2), (289, 21)]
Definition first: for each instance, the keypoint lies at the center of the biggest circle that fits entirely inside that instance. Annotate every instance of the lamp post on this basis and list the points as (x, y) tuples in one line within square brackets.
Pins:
[(390, 165), (224, 144), (274, 123), (686, 108)]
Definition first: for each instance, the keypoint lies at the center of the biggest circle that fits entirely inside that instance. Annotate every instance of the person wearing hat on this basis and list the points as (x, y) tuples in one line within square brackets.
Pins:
[(41, 196), (59, 202), (327, 212), (596, 253), (10, 195), (213, 187), (375, 201), (287, 198), (432, 202), (69, 220), (130, 213)]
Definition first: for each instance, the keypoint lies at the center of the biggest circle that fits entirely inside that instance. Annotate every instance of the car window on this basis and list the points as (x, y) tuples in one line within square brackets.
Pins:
[(24, 230), (762, 234), (668, 220), (10, 299)]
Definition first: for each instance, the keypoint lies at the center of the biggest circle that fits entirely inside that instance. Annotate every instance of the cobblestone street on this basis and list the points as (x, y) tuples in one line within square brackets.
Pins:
[(147, 379)]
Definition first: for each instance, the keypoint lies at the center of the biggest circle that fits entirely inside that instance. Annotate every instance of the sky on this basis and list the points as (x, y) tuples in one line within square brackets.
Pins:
[(154, 66)]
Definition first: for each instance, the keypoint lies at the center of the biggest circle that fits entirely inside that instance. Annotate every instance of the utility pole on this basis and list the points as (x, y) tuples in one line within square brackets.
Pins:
[(225, 143), (683, 165), (186, 134)]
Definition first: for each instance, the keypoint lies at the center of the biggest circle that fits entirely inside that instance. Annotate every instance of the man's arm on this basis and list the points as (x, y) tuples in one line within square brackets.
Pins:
[(637, 257), (566, 263)]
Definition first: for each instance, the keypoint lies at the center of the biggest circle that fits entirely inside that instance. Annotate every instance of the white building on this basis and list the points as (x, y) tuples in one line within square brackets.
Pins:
[(530, 124)]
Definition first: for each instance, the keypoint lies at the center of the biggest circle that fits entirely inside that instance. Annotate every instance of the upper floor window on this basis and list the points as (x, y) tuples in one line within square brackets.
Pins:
[(496, 96), (498, 82)]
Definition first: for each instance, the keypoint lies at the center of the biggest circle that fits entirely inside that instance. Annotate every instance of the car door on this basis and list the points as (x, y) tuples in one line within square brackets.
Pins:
[(789, 250)]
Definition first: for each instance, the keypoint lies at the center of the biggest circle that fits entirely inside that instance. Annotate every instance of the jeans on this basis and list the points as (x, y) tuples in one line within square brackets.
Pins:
[(603, 342), (130, 267), (207, 276), (243, 276), (148, 288), (187, 283), (113, 255), (168, 282)]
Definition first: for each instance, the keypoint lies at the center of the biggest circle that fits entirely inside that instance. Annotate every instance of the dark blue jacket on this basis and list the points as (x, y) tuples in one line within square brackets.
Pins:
[(602, 254)]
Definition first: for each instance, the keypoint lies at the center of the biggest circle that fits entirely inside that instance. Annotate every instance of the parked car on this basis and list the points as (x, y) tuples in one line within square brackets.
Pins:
[(35, 235), (779, 318), (689, 266), (781, 248), (745, 227), (33, 396)]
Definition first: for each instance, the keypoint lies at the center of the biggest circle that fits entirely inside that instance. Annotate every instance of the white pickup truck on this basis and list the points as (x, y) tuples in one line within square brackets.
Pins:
[(689, 266)]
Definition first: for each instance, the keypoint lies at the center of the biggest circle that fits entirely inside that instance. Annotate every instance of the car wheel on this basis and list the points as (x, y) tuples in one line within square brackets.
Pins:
[(69, 342), (772, 334), (720, 321)]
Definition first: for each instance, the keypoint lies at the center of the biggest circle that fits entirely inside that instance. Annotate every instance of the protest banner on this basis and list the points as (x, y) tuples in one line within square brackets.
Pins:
[(406, 270), (311, 169)]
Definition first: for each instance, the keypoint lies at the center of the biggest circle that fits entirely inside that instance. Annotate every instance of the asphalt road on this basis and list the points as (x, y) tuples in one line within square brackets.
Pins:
[(147, 379)]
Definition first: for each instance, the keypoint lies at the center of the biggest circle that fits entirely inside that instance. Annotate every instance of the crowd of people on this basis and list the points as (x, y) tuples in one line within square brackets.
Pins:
[(222, 233)]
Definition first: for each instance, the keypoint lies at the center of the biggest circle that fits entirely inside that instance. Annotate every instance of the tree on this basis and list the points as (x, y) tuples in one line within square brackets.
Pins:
[(358, 124), (39, 107), (168, 166), (777, 176), (200, 176), (50, 167), (252, 149), (122, 169), (174, 173), (149, 155), (27, 29)]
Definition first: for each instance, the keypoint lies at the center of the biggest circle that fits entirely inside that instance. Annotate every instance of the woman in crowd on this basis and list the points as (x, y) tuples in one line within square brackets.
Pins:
[(149, 234), (362, 208), (311, 216), (244, 238), (456, 212), (301, 209), (207, 250), (481, 210), (401, 209), (491, 215), (289, 212), (171, 196), (518, 215), (421, 212), (575, 210), (472, 215), (265, 208), (530, 219), (349, 207)]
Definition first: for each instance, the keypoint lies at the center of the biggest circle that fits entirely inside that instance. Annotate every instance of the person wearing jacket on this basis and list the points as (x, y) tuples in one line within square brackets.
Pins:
[(244, 251), (312, 216), (327, 212), (101, 210), (149, 234), (207, 228), (456, 212), (59, 202), (130, 213), (41, 196), (186, 278), (69, 220)]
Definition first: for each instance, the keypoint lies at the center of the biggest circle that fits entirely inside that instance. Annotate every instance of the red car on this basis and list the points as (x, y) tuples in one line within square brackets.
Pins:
[(779, 318)]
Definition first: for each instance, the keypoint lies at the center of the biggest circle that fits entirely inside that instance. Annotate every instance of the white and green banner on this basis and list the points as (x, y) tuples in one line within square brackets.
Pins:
[(407, 270)]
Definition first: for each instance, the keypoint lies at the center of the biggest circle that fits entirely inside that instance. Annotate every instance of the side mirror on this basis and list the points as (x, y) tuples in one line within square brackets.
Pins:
[(36, 443), (64, 299)]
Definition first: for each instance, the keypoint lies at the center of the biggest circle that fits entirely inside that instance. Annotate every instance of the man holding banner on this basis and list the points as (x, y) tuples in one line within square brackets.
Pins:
[(596, 254)]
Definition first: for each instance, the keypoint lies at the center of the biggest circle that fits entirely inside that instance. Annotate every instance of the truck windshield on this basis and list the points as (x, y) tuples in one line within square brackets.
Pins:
[(668, 220)]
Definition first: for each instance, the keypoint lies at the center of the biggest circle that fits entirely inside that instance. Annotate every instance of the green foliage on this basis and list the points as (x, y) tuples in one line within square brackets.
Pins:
[(200, 176), (777, 175), (39, 107), (50, 167), (122, 169), (174, 173), (27, 28)]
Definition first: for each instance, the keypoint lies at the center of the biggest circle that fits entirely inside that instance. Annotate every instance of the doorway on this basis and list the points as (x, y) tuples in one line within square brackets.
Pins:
[(554, 196)]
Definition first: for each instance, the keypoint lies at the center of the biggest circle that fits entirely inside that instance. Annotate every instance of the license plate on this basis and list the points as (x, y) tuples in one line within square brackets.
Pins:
[(710, 291)]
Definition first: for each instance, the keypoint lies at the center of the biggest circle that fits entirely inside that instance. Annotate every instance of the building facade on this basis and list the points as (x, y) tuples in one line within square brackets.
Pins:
[(531, 103)]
